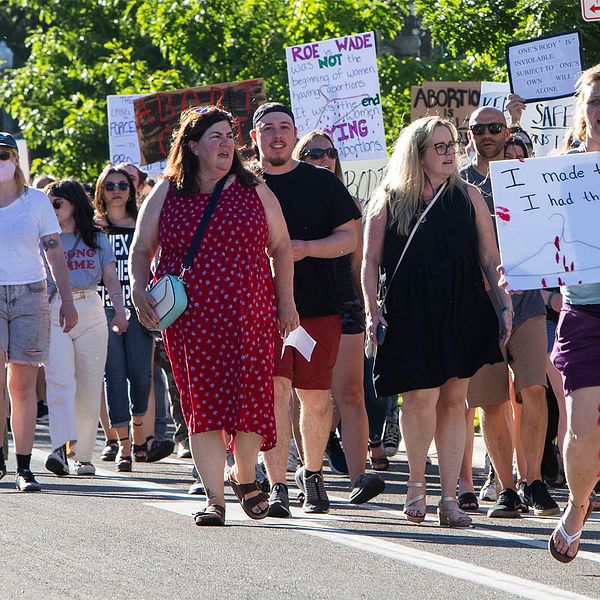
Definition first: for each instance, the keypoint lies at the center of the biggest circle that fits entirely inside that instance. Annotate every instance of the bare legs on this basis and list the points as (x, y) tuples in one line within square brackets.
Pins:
[(276, 459), (315, 419), (21, 386), (582, 460), (208, 452)]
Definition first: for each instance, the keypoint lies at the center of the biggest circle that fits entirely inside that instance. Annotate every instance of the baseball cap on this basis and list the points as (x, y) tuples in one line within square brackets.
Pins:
[(7, 140), (270, 107)]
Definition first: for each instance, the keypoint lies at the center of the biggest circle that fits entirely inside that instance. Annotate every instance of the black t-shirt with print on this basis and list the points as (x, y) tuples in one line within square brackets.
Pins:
[(314, 202)]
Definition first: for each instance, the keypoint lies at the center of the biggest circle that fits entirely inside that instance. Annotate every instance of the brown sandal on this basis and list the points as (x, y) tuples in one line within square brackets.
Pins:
[(378, 463), (247, 504), (211, 515)]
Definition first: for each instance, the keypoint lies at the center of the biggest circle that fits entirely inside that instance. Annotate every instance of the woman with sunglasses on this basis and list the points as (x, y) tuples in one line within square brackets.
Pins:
[(26, 219), (317, 148), (75, 368), (441, 326), (129, 360)]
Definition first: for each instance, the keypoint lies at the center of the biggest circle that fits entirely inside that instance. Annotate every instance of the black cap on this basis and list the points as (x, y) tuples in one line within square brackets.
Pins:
[(270, 107), (8, 140)]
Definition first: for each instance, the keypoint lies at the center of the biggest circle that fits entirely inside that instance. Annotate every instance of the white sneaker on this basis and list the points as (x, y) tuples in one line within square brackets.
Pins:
[(57, 462), (489, 490), (84, 468)]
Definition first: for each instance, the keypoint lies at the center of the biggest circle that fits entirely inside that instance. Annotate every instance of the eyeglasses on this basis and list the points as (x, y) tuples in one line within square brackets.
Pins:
[(111, 187), (319, 153), (442, 149), (493, 128), (5, 155)]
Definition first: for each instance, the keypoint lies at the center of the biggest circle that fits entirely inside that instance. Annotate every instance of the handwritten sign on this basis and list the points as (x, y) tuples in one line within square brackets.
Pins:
[(363, 176), (545, 68), (157, 115), (450, 99), (334, 86), (546, 122), (547, 212), (122, 134)]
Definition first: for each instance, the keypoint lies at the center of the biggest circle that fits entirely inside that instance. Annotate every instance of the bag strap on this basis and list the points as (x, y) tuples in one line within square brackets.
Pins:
[(208, 213), (420, 220)]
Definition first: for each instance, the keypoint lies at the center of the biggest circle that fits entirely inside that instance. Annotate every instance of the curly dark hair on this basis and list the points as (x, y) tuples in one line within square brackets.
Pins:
[(83, 212), (100, 202), (182, 163)]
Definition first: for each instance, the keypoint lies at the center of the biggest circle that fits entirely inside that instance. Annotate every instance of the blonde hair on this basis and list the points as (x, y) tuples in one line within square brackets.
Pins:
[(403, 183), (588, 78)]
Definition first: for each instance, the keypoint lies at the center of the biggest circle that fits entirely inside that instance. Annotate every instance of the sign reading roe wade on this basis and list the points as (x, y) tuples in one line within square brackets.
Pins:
[(547, 213), (334, 86), (546, 67)]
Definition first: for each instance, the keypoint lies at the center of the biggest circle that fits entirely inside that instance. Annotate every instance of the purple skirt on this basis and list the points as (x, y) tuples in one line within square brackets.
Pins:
[(576, 352)]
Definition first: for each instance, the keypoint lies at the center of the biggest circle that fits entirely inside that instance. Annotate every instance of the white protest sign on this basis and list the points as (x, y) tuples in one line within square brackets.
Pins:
[(363, 176), (334, 86), (547, 215), (123, 141), (545, 68), (546, 122)]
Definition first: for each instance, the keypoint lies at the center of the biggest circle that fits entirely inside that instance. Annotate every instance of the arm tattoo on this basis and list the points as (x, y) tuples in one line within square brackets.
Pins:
[(50, 242)]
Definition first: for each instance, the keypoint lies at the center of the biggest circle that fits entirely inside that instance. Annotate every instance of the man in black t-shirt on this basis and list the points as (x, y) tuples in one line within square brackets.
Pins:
[(320, 215), (524, 354)]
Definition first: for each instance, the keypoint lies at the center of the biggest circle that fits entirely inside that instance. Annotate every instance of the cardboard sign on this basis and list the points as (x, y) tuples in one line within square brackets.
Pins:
[(545, 68), (547, 213), (546, 122), (157, 115), (334, 86), (450, 99), (122, 134)]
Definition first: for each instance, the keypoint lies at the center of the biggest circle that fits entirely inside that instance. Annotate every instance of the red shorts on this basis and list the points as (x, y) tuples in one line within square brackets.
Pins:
[(318, 373)]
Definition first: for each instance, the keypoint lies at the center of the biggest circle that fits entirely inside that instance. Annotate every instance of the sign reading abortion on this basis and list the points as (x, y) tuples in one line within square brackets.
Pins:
[(450, 99), (334, 86), (546, 122), (157, 115), (123, 141), (546, 67), (547, 213)]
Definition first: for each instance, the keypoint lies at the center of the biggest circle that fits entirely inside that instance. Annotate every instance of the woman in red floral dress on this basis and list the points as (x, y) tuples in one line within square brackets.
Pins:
[(239, 291)]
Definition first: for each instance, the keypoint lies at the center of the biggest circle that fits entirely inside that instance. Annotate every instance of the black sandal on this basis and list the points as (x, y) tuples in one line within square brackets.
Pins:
[(468, 502), (247, 504), (212, 515), (123, 462), (380, 463)]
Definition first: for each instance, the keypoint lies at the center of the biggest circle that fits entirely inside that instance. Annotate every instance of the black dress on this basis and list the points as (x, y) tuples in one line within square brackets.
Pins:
[(441, 323)]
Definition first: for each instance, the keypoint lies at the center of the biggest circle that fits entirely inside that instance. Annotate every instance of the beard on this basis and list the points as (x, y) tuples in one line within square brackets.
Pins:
[(491, 151), (277, 161)]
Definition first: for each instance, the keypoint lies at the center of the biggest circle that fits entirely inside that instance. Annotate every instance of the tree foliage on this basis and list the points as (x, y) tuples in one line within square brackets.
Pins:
[(71, 55)]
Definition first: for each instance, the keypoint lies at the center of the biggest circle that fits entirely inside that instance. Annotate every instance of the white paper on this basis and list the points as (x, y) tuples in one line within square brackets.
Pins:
[(302, 341), (334, 85), (547, 215), (122, 134)]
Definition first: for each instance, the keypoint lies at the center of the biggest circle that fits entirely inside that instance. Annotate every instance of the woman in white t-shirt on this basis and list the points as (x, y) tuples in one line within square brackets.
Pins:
[(26, 219), (75, 367)]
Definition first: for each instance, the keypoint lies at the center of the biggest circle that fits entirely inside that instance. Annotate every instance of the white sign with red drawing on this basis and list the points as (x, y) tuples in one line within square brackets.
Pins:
[(547, 213), (334, 86), (590, 10)]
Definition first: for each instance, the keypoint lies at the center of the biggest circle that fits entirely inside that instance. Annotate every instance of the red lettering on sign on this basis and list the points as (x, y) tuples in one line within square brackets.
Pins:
[(166, 110), (143, 114)]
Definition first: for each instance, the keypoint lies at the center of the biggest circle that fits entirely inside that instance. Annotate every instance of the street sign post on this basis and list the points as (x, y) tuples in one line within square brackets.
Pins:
[(590, 10)]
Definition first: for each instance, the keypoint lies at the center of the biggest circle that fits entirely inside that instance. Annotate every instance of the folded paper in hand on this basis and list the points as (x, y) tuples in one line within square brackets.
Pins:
[(300, 340)]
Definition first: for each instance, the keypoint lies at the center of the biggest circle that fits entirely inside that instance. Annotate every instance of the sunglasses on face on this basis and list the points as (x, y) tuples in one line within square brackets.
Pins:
[(111, 187), (442, 149), (493, 128), (318, 153), (56, 204), (5, 155)]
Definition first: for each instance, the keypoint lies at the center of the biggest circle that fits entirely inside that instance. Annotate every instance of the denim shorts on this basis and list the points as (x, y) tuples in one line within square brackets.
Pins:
[(25, 322)]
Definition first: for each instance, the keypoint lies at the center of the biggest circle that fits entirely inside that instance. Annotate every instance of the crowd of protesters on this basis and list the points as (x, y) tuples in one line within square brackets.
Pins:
[(280, 247)]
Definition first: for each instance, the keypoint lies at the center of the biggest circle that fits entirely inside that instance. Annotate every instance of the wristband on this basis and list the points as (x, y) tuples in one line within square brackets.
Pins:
[(549, 301)]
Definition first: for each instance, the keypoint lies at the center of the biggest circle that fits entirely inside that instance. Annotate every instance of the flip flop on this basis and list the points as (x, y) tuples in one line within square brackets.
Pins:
[(565, 558), (468, 502), (247, 504)]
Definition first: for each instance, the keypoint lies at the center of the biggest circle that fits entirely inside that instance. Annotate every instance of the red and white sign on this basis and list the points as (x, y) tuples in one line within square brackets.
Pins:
[(590, 10)]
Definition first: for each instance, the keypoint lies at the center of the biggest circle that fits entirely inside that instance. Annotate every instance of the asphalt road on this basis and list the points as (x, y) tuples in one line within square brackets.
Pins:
[(133, 536)]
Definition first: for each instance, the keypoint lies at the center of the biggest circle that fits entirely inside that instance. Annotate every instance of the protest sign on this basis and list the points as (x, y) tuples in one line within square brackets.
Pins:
[(334, 86), (450, 99), (546, 122), (545, 68), (156, 115), (363, 176), (547, 213), (122, 134)]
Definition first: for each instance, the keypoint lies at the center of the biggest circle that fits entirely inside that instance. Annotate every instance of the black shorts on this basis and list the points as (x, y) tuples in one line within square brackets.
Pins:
[(353, 317)]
